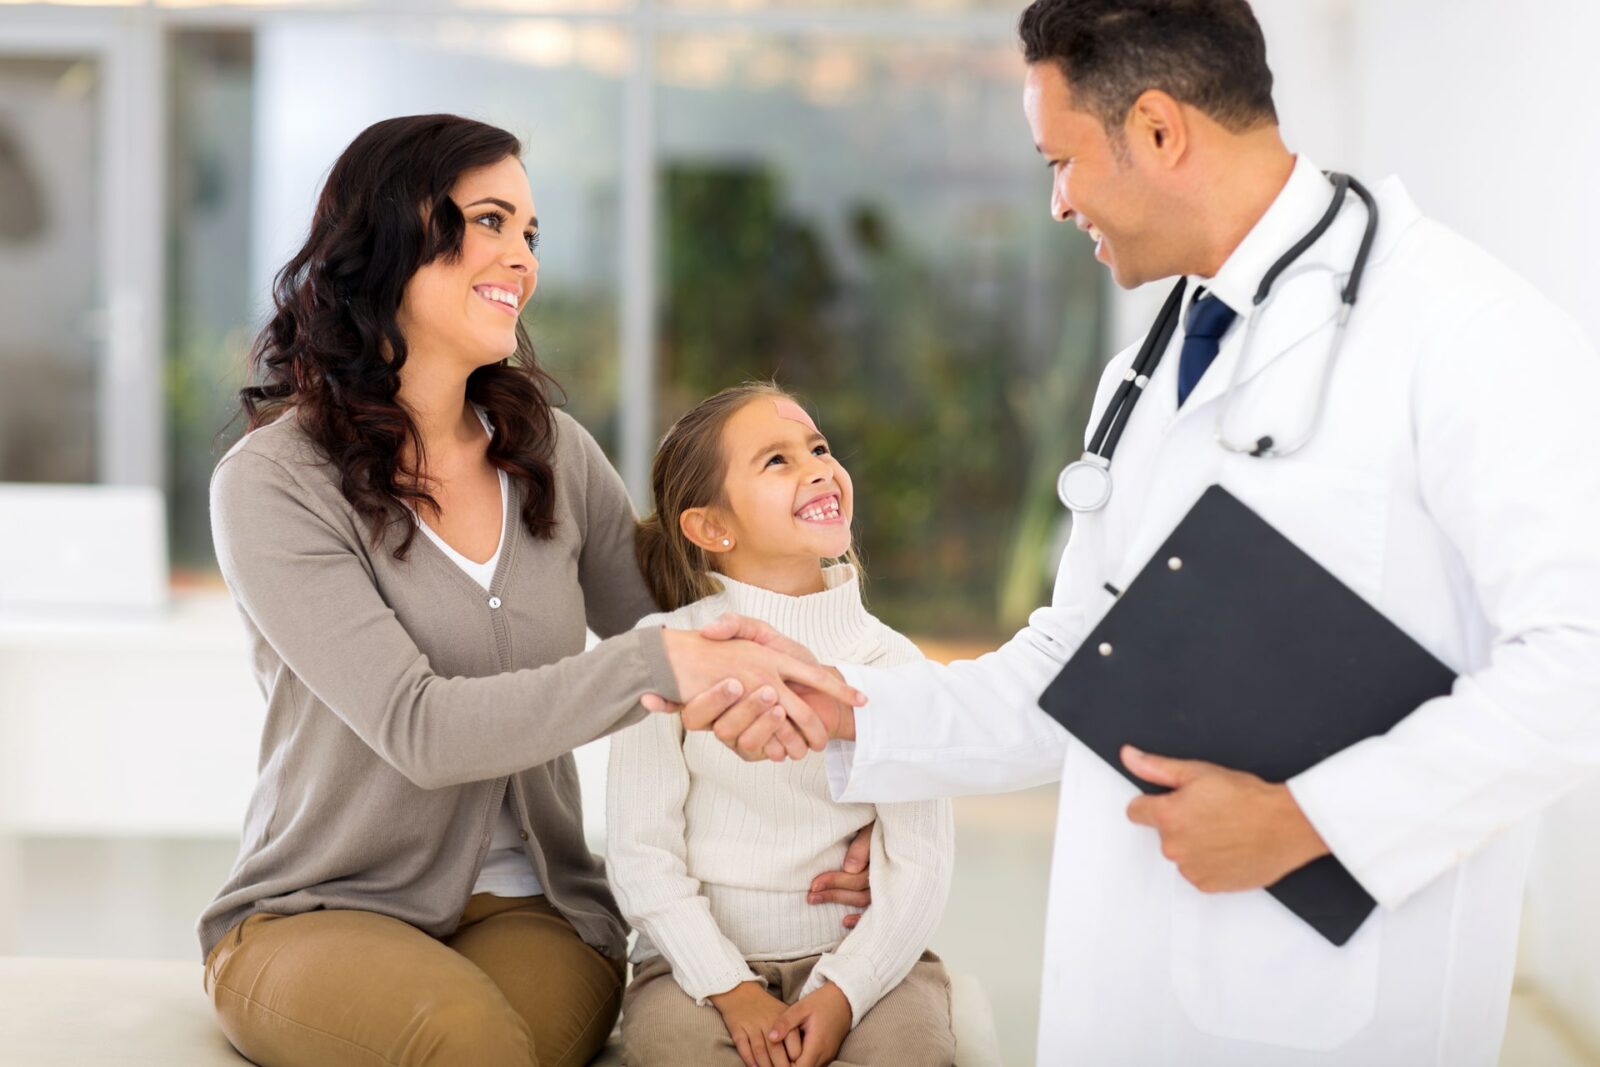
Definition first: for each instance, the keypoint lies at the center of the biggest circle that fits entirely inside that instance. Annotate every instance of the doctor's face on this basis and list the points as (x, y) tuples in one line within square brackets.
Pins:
[(1096, 184)]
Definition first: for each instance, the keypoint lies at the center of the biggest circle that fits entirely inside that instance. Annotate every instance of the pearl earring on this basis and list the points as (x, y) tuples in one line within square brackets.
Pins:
[(726, 543)]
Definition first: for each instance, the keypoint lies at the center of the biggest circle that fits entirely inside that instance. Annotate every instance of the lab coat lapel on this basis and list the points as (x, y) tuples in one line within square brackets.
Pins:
[(1301, 308), (1304, 304)]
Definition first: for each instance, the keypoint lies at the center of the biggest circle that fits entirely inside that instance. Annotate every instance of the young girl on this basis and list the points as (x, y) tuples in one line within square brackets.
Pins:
[(711, 857)]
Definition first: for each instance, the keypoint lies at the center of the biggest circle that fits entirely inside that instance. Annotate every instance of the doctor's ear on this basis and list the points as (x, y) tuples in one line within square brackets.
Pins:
[(1157, 122), (705, 528)]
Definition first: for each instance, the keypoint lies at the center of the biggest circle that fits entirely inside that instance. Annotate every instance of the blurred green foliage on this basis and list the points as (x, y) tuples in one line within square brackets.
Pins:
[(920, 377)]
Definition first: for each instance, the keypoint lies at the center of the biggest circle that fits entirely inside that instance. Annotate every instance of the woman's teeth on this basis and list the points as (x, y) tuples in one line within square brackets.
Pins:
[(500, 295), (822, 511)]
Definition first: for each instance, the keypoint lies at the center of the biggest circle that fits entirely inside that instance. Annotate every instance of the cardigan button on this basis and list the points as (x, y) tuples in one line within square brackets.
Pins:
[(522, 834), (494, 602)]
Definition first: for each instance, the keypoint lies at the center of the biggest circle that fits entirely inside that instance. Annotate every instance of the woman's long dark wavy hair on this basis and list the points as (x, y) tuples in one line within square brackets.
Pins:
[(332, 350)]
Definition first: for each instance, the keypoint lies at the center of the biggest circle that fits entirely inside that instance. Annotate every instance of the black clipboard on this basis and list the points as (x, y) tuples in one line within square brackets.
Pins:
[(1235, 647)]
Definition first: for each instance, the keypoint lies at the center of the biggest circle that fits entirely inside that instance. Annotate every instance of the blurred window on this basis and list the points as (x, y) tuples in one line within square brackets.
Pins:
[(847, 201), (50, 293), (866, 220)]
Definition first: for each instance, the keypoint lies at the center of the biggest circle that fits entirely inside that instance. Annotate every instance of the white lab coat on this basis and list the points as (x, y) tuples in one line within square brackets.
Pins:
[(1454, 484)]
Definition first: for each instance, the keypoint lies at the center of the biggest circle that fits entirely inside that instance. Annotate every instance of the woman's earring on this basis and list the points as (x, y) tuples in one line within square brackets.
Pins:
[(726, 543)]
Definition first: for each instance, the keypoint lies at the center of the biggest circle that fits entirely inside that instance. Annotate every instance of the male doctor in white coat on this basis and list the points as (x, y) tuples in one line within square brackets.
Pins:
[(1453, 481)]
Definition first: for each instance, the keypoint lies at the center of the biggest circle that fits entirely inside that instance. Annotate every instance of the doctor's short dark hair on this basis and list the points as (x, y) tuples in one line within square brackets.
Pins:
[(1209, 54)]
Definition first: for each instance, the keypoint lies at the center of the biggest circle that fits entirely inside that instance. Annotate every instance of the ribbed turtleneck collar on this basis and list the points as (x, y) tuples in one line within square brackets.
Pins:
[(832, 623)]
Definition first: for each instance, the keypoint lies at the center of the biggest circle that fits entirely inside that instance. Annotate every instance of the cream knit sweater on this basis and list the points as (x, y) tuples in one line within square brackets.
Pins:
[(711, 858)]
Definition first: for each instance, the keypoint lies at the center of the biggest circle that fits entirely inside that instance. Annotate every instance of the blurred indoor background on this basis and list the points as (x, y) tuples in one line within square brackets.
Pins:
[(841, 195)]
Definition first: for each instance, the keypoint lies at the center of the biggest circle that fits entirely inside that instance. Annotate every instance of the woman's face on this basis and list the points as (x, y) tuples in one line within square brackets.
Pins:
[(466, 310), (787, 496)]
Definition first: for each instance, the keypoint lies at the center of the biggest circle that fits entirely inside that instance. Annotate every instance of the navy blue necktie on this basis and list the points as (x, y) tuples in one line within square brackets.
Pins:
[(1208, 319)]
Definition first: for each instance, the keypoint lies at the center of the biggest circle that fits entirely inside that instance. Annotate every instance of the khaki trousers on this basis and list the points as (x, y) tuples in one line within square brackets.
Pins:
[(514, 985), (910, 1027)]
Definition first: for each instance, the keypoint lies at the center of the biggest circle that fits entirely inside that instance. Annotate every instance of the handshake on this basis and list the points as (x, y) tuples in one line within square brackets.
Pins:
[(761, 694)]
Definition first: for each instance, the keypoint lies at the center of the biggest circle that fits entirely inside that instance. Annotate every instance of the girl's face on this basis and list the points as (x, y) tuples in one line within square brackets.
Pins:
[(786, 497), (466, 310)]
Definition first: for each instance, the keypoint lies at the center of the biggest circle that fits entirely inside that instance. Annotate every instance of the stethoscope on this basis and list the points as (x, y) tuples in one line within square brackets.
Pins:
[(1085, 484)]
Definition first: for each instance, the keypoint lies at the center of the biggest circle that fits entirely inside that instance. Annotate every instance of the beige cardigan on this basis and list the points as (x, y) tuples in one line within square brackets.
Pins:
[(403, 700)]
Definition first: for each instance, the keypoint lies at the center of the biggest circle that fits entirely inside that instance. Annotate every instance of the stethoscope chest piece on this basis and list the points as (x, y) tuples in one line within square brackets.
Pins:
[(1085, 484)]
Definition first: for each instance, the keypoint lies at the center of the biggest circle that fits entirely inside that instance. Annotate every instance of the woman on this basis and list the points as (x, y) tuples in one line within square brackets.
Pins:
[(413, 885)]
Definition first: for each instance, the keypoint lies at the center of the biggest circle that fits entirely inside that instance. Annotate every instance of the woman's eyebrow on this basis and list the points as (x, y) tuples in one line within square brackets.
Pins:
[(507, 207)]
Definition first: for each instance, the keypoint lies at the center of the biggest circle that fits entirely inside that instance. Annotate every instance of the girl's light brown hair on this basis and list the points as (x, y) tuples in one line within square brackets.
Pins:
[(688, 472)]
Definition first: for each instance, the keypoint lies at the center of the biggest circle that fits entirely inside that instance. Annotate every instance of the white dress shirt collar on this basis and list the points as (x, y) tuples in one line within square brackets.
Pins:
[(1291, 215)]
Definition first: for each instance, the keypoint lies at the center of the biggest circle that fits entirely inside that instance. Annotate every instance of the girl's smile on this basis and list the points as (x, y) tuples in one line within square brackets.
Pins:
[(823, 510)]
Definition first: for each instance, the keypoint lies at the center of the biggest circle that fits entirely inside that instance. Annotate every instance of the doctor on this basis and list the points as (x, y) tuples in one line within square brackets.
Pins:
[(1442, 458)]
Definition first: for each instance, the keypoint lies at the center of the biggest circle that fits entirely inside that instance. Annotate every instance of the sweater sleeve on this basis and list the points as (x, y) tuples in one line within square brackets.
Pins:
[(614, 592), (647, 857), (305, 586), (913, 849)]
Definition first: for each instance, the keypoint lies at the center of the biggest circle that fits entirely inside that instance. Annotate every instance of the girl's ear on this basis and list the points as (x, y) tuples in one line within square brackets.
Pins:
[(704, 528)]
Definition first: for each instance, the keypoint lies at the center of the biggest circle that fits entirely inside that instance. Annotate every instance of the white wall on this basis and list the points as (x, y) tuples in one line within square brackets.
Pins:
[(1484, 108)]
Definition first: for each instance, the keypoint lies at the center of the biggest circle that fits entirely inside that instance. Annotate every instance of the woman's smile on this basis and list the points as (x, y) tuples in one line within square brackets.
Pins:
[(506, 298)]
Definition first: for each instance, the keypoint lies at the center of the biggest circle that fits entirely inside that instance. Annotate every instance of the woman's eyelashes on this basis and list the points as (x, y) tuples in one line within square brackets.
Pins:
[(495, 221)]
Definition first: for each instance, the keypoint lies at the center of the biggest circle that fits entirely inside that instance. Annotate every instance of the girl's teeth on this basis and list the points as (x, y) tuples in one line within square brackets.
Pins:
[(830, 510)]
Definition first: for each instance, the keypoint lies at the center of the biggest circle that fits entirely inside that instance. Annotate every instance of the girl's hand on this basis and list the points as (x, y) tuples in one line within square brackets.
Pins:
[(749, 1011), (824, 1018), (851, 884)]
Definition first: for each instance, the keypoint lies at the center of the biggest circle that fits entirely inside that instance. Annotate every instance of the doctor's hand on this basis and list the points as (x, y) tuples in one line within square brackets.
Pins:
[(1226, 830), (753, 720)]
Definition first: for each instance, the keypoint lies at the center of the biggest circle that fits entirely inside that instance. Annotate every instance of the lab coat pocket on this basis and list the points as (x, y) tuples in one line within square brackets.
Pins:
[(1246, 968)]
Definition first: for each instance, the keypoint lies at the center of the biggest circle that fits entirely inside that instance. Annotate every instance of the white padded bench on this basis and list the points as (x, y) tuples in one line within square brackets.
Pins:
[(136, 1013)]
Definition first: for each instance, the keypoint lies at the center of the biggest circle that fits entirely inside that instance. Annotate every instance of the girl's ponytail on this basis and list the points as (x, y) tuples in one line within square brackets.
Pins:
[(675, 579)]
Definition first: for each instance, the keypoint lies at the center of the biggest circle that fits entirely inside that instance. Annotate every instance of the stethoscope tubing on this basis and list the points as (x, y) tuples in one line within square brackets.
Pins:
[(1107, 435), (1134, 382)]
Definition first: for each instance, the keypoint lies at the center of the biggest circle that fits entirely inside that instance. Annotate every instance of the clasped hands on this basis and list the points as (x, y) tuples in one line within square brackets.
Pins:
[(761, 694), (1226, 830)]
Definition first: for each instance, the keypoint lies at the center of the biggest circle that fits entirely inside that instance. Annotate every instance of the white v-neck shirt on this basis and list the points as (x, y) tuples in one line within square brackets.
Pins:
[(507, 870), (482, 573)]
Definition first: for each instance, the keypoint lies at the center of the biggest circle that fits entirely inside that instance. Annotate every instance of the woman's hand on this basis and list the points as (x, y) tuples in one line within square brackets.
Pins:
[(749, 1011), (753, 688), (824, 1017), (850, 885)]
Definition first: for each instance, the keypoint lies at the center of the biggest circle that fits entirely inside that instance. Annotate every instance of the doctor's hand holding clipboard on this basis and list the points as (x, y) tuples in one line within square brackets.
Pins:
[(1394, 404)]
